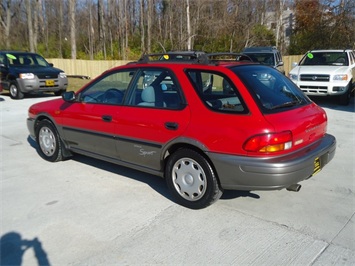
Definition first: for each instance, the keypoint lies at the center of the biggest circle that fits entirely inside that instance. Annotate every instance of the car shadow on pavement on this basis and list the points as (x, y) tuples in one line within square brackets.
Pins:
[(233, 194), (331, 103), (31, 95), (155, 182)]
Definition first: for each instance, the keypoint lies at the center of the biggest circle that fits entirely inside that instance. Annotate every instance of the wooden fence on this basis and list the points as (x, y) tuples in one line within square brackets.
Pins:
[(93, 68)]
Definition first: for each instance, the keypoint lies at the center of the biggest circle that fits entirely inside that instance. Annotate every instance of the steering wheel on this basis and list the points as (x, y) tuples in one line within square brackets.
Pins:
[(113, 95)]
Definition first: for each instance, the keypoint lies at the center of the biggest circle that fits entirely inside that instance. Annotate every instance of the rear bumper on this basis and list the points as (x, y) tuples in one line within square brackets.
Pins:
[(249, 173)]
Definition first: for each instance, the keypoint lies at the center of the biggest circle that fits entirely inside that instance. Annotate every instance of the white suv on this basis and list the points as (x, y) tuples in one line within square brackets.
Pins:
[(326, 72)]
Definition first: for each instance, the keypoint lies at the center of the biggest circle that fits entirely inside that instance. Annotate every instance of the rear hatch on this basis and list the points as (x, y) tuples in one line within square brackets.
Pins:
[(307, 124)]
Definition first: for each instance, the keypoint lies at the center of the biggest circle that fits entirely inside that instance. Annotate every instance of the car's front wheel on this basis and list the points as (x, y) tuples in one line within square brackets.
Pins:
[(15, 92), (50, 146), (344, 99), (191, 179)]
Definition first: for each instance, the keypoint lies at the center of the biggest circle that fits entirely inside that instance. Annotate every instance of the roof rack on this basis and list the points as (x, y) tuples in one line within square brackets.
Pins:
[(171, 56), (198, 57), (226, 56)]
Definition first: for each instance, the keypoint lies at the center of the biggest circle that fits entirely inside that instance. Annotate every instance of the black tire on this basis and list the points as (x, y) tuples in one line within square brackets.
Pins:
[(345, 98), (49, 144), (191, 179), (15, 92), (59, 93)]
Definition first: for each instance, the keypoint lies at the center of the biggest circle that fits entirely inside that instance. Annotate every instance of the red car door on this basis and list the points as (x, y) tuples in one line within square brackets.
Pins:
[(154, 114), (144, 131), (89, 127)]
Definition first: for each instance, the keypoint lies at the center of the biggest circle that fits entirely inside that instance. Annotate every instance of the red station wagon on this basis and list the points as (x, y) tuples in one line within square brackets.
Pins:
[(204, 125)]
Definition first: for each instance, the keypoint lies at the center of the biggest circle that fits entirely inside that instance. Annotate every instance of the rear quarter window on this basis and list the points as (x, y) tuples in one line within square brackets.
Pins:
[(217, 91)]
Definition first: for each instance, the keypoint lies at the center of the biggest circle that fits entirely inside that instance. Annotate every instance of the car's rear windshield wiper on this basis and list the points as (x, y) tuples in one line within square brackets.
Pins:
[(286, 104)]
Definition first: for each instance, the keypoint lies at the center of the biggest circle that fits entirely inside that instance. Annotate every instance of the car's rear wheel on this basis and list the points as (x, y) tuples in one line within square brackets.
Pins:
[(191, 179), (15, 92), (50, 146)]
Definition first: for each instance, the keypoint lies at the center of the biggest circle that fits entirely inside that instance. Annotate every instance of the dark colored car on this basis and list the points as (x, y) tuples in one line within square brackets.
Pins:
[(268, 55), (203, 126), (24, 72)]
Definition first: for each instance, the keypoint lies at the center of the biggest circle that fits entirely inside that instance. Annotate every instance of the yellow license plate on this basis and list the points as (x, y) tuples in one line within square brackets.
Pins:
[(317, 166), (49, 83)]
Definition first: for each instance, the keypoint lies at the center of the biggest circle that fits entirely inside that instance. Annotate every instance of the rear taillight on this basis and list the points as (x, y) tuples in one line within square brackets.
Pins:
[(269, 142)]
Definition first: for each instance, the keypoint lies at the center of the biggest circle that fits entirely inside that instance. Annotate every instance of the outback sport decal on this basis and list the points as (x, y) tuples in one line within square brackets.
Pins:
[(143, 152)]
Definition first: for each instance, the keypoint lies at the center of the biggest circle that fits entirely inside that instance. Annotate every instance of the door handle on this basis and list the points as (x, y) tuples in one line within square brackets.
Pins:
[(171, 125), (106, 118)]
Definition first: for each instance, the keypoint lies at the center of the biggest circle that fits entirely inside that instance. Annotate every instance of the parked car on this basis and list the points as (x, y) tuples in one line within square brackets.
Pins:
[(268, 55), (24, 72), (326, 73), (203, 126)]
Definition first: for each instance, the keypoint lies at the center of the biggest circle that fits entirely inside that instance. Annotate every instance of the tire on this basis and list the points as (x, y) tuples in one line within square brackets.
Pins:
[(15, 92), (345, 98), (191, 179), (49, 144)]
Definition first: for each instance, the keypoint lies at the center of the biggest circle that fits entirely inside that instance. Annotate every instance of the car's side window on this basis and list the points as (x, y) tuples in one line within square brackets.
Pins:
[(217, 91), (157, 88), (2, 59), (352, 58), (108, 90)]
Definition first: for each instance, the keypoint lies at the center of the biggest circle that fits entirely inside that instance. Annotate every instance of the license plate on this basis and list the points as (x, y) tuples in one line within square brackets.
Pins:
[(317, 166), (50, 83)]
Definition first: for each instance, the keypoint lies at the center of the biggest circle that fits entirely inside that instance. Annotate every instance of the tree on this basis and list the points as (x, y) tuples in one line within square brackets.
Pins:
[(323, 24), (124, 29), (72, 4)]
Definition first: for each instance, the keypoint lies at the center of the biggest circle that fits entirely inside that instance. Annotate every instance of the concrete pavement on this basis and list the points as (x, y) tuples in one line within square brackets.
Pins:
[(87, 212)]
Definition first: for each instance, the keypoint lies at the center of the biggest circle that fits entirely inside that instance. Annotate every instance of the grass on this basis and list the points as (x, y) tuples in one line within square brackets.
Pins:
[(76, 83)]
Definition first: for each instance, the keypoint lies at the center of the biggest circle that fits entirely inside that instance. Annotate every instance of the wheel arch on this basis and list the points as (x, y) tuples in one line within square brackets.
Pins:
[(187, 143), (44, 116)]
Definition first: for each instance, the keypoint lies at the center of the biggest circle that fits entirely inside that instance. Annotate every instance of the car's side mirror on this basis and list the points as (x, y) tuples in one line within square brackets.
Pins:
[(294, 64), (51, 64), (281, 63), (69, 96)]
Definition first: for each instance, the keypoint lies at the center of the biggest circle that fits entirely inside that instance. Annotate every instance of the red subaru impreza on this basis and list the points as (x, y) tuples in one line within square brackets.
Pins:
[(203, 125)]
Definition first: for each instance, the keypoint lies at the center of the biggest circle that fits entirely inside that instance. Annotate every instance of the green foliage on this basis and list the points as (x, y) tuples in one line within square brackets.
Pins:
[(321, 27), (262, 36)]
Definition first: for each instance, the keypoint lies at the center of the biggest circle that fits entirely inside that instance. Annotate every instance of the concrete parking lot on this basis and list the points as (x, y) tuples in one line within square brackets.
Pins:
[(87, 212)]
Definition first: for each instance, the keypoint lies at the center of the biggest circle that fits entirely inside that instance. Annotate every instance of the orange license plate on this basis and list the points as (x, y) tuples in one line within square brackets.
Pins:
[(49, 83), (317, 166)]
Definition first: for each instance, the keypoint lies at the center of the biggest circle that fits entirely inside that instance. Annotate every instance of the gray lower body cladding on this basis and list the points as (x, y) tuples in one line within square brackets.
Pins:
[(252, 173)]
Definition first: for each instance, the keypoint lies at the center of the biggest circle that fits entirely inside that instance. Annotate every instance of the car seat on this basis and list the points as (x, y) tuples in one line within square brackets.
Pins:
[(152, 97), (340, 60), (26, 61)]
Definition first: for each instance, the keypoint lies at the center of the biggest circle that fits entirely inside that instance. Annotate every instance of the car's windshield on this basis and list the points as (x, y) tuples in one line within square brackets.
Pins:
[(325, 59), (271, 89), (26, 59), (263, 58)]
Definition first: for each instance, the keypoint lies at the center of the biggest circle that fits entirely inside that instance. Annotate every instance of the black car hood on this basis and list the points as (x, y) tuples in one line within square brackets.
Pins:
[(36, 70)]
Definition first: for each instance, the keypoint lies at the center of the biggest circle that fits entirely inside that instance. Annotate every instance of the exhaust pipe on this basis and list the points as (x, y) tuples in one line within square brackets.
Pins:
[(294, 187)]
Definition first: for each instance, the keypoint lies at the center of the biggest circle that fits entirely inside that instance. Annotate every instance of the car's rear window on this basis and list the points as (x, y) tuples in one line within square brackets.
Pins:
[(272, 90)]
